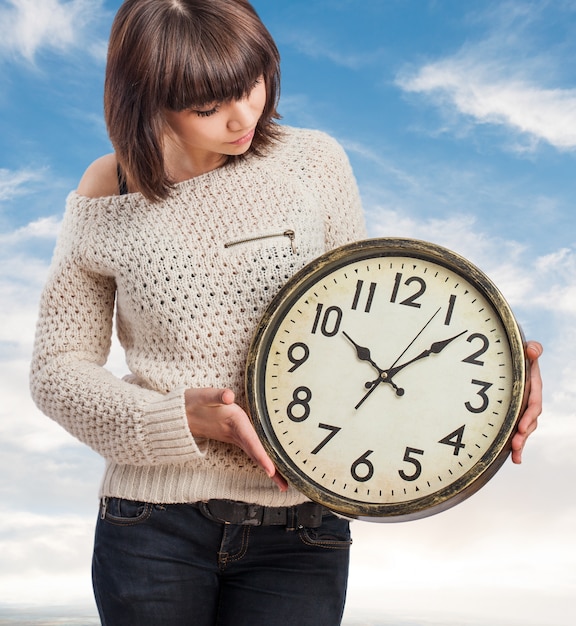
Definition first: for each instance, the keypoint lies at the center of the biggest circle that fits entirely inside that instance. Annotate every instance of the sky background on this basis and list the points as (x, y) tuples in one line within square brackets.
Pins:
[(459, 119)]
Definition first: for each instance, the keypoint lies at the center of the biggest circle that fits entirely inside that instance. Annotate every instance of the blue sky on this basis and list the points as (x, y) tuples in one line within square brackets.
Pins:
[(460, 122)]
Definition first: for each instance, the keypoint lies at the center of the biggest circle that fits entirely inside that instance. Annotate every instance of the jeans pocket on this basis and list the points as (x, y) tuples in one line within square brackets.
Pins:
[(124, 512), (334, 533)]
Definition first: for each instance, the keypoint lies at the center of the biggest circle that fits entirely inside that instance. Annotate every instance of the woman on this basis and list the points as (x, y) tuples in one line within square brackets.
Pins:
[(204, 210)]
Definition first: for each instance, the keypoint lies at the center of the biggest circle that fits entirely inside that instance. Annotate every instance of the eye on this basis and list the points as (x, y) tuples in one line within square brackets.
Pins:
[(257, 82), (207, 112)]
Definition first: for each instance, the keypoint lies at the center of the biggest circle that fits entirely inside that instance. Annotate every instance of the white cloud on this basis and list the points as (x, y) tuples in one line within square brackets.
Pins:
[(34, 545), (489, 93), (506, 76), (27, 26), (17, 183), (560, 264), (42, 228)]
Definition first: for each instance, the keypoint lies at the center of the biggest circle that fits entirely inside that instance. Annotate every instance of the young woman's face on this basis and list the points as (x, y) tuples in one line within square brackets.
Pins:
[(219, 128)]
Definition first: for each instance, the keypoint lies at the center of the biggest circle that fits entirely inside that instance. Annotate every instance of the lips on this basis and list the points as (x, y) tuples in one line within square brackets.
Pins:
[(245, 139)]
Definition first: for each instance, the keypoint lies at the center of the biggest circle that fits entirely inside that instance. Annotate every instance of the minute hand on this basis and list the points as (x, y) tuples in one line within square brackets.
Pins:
[(435, 348)]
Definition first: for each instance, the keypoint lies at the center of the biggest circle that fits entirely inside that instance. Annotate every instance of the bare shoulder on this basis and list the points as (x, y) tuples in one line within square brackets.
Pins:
[(100, 178)]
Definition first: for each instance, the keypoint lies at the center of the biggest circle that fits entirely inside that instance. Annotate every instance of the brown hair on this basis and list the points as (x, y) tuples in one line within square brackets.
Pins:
[(179, 54)]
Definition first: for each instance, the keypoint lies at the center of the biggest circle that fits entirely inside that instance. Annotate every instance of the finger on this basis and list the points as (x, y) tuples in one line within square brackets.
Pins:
[(265, 462), (518, 443), (248, 440), (227, 396), (535, 382), (517, 453), (533, 410), (280, 481), (534, 350), (209, 396), (529, 420)]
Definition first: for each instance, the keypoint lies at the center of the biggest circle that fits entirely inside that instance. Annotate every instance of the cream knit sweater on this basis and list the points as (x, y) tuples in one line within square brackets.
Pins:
[(188, 279)]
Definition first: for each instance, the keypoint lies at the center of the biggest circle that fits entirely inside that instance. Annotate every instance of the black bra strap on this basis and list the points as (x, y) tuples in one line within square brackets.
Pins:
[(122, 184)]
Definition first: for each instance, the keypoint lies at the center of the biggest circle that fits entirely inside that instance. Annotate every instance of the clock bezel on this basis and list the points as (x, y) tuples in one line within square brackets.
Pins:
[(314, 272)]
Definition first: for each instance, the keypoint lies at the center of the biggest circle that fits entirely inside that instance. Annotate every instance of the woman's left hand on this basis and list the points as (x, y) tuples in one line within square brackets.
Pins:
[(529, 420)]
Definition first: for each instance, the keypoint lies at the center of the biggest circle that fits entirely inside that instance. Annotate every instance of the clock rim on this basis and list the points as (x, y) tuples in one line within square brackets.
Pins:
[(313, 272)]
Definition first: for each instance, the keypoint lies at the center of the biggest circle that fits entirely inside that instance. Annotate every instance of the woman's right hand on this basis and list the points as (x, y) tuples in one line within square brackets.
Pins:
[(213, 414)]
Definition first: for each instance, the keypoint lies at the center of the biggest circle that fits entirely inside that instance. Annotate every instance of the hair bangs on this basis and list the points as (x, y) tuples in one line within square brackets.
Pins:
[(198, 85), (210, 69)]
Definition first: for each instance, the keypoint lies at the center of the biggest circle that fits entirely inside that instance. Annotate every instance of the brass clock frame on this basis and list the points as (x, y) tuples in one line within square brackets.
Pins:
[(471, 481)]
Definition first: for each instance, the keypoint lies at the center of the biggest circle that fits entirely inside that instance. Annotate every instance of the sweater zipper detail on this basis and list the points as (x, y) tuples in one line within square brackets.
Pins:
[(287, 233)]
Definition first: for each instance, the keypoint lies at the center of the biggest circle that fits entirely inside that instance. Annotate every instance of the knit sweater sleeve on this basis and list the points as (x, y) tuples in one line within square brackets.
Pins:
[(121, 421)]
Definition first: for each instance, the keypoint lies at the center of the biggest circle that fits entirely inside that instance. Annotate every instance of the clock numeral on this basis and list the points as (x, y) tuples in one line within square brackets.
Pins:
[(410, 300), (371, 291), (483, 396), (329, 322), (473, 358), (300, 398), (334, 430), (415, 462), (298, 354), (450, 310), (455, 439), (365, 466)]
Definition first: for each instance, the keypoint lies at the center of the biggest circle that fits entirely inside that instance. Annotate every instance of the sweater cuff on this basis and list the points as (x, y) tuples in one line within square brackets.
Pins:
[(166, 432)]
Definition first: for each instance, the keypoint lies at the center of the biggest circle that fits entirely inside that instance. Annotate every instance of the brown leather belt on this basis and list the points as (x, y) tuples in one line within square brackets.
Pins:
[(308, 514)]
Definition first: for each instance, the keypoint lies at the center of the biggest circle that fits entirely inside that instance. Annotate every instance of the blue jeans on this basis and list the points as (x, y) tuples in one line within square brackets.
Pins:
[(169, 565)]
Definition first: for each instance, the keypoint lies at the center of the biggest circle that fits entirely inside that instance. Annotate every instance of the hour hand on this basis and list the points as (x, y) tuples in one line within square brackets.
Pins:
[(363, 353), (435, 348)]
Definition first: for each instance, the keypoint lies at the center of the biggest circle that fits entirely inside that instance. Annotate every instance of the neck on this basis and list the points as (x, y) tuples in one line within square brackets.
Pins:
[(182, 164)]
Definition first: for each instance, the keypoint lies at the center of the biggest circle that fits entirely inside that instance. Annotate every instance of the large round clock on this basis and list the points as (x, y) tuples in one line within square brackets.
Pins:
[(386, 379)]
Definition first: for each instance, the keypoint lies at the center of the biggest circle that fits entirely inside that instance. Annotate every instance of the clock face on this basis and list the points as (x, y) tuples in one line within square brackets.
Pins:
[(386, 379)]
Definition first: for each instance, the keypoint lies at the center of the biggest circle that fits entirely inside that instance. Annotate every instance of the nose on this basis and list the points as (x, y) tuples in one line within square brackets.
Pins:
[(241, 115)]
